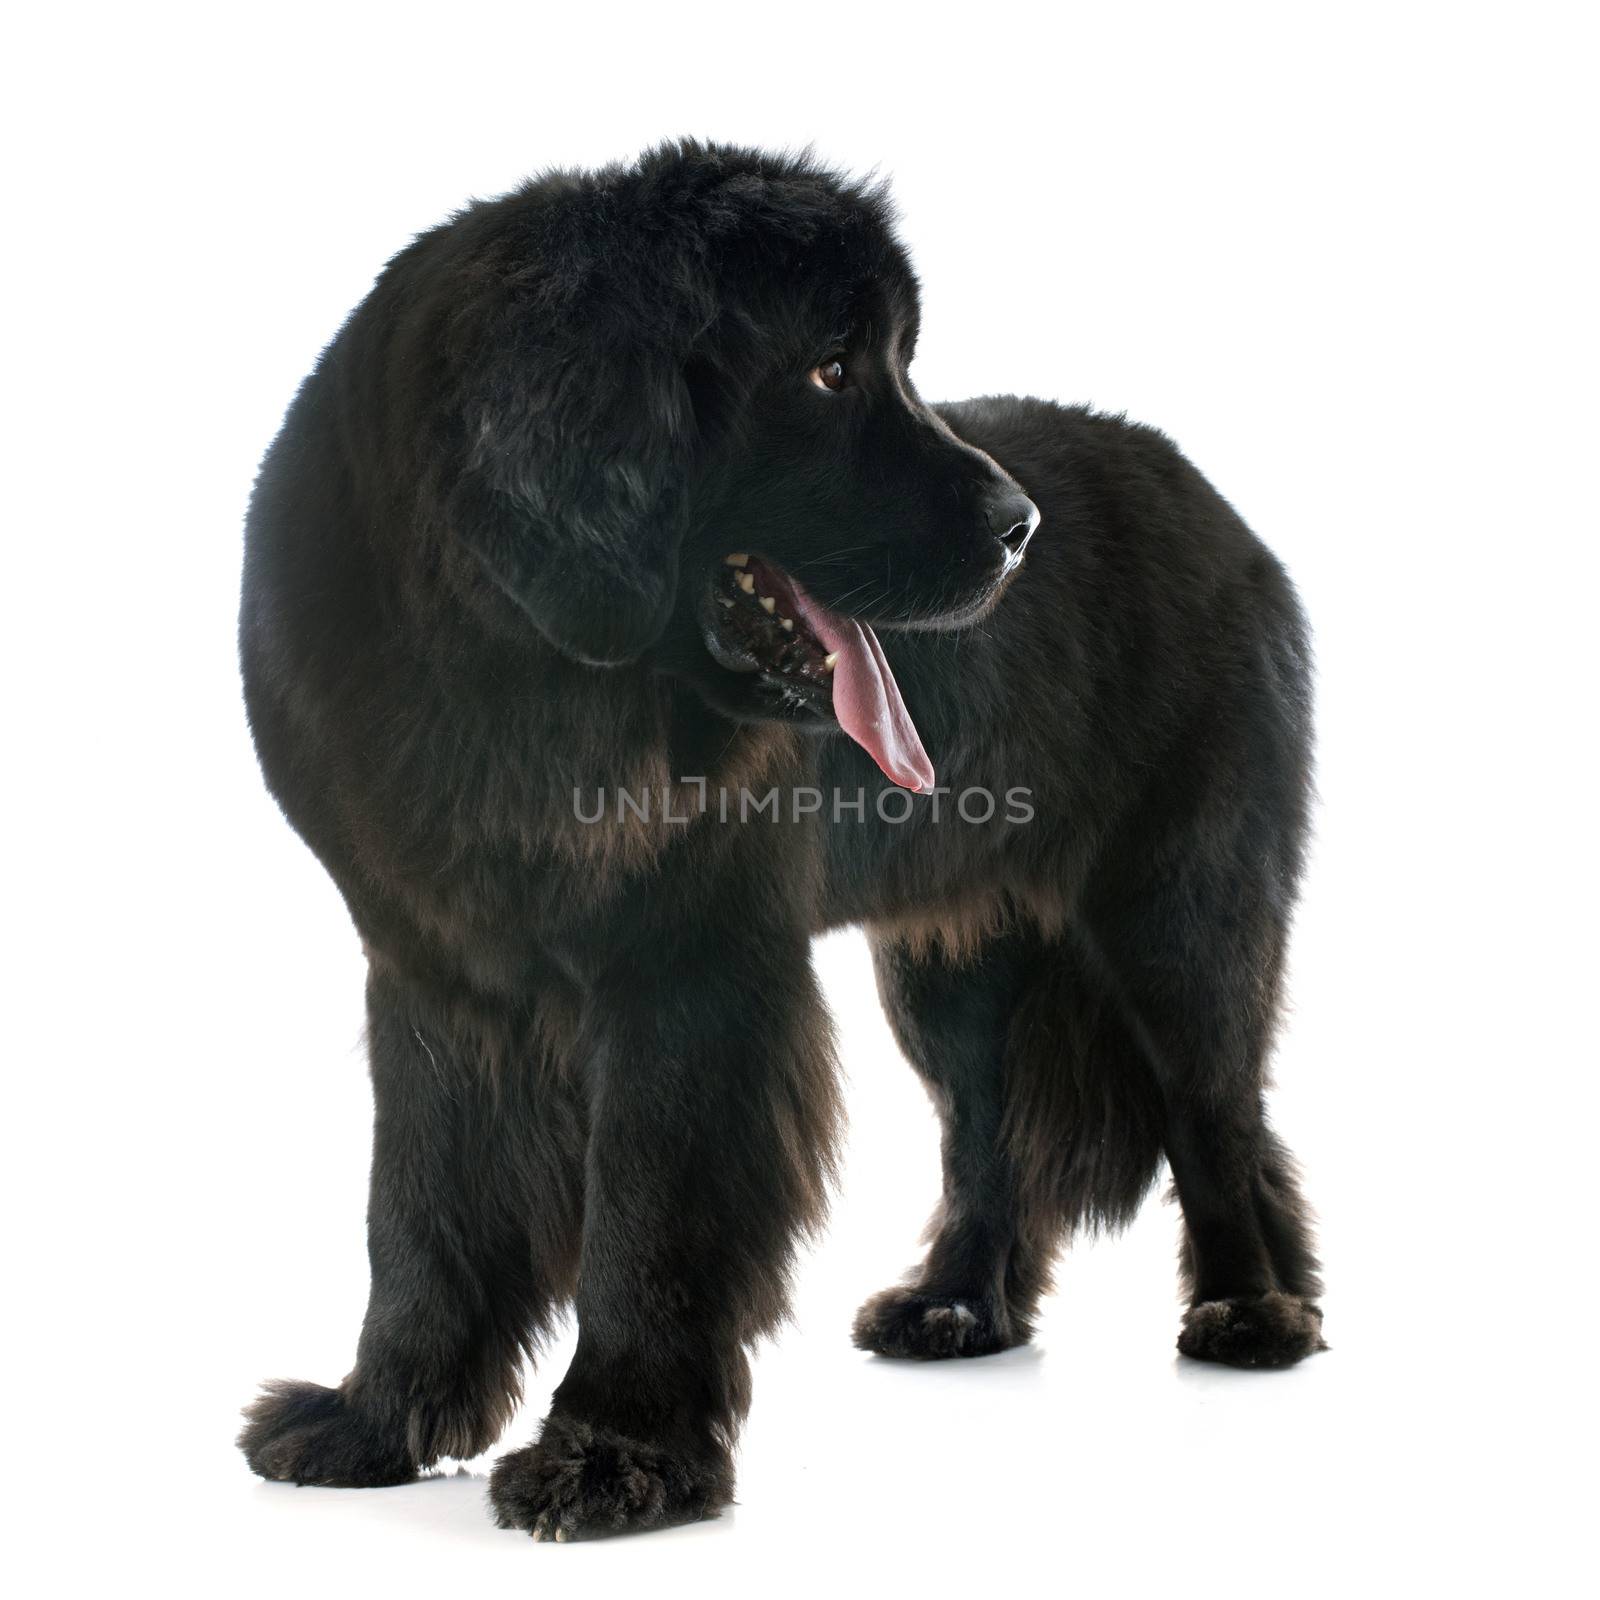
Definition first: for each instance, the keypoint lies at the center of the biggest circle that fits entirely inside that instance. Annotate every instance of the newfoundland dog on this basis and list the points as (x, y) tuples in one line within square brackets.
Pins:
[(616, 617)]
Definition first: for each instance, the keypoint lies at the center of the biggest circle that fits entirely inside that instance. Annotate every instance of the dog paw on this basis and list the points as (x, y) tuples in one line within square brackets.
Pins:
[(303, 1433), (583, 1482), (1272, 1330), (917, 1326)]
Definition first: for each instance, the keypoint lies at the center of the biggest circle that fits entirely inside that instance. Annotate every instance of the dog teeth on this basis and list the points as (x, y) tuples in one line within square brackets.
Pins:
[(768, 604), (736, 561), (786, 623), (831, 660), (747, 583)]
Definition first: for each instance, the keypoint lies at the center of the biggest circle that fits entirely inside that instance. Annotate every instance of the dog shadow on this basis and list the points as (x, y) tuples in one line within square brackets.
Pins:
[(1006, 1368), (450, 1504)]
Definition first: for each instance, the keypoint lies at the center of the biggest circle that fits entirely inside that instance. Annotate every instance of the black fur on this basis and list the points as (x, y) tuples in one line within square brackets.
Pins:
[(481, 558)]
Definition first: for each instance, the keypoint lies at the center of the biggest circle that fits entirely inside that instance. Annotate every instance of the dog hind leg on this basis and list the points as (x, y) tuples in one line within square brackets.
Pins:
[(1048, 1122), (1197, 954)]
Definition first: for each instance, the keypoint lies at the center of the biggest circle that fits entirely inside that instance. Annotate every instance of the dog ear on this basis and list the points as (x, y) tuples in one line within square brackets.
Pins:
[(579, 437)]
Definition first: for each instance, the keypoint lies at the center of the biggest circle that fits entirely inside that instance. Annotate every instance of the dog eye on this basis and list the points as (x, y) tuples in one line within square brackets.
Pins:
[(830, 375)]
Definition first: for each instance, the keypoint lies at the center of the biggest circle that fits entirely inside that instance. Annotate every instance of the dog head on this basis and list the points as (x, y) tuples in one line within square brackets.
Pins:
[(694, 439)]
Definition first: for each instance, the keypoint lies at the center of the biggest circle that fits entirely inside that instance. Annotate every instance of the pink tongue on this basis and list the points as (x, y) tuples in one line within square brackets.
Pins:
[(866, 699)]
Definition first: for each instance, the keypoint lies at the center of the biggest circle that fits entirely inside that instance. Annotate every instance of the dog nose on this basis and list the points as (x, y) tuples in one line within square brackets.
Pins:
[(1013, 520)]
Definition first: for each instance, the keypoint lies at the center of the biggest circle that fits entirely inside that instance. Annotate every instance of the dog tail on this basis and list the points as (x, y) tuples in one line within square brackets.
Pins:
[(1083, 1113)]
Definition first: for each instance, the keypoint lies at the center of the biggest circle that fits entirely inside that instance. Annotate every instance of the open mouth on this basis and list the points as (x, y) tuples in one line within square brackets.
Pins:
[(762, 621)]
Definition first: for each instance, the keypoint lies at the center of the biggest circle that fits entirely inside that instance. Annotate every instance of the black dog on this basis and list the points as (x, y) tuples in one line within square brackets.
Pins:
[(606, 517)]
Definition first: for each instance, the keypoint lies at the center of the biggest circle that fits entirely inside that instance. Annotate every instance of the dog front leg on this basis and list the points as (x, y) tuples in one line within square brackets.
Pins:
[(713, 1113), (463, 1281)]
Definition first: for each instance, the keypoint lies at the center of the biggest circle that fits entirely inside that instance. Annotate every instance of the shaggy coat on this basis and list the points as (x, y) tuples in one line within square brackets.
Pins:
[(589, 795)]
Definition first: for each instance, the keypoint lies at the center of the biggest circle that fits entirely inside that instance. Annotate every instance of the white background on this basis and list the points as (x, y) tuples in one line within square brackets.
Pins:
[(1341, 255)]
